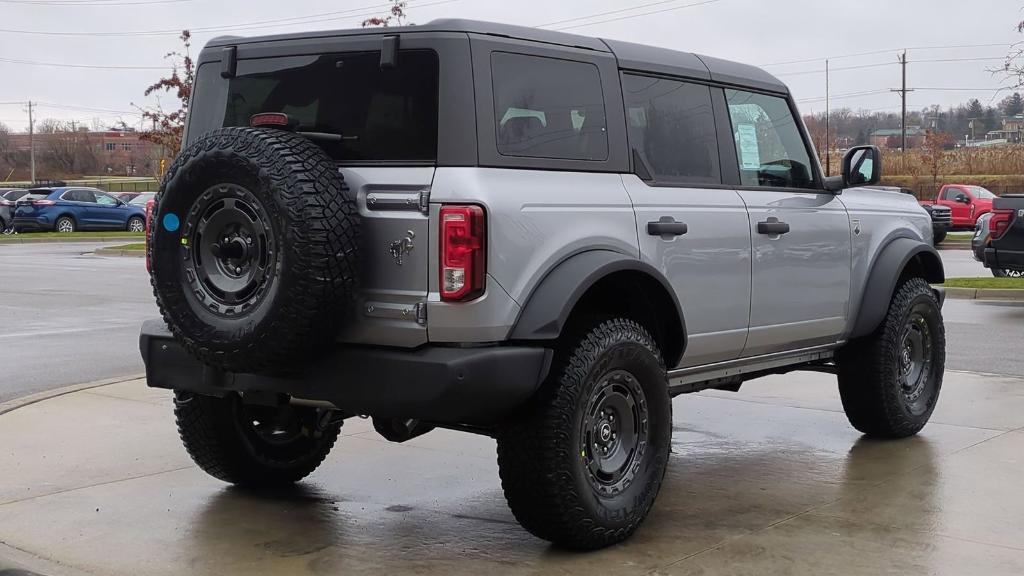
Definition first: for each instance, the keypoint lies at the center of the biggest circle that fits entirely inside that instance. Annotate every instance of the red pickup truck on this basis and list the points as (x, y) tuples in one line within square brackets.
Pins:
[(968, 203)]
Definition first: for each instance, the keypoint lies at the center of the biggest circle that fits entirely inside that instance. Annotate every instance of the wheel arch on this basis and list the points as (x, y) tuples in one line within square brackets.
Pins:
[(595, 280), (898, 260), (66, 214)]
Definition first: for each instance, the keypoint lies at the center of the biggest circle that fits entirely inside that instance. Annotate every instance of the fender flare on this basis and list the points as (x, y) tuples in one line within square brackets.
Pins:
[(548, 307), (885, 273)]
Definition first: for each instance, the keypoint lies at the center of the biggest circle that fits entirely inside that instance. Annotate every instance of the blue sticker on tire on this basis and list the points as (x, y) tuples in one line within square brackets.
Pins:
[(171, 222)]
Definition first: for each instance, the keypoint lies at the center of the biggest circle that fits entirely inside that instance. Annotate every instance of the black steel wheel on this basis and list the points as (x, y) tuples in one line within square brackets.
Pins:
[(889, 381), (255, 446), (254, 250), (582, 463)]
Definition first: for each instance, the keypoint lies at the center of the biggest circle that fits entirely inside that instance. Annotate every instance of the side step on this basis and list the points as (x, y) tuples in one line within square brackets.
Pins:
[(730, 374)]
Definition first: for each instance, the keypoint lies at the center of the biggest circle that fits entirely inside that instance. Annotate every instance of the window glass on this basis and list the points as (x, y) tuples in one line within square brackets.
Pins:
[(80, 196), (381, 114), (106, 200), (548, 108), (980, 192), (769, 146), (951, 193), (672, 128)]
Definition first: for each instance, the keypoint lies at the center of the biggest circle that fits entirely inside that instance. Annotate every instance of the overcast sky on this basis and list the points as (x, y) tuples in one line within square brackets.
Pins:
[(754, 31)]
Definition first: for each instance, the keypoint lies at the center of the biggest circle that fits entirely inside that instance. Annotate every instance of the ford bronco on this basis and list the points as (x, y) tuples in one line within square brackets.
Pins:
[(521, 233)]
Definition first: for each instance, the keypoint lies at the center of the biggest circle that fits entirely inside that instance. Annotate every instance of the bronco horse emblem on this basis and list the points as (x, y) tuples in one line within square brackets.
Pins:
[(399, 248)]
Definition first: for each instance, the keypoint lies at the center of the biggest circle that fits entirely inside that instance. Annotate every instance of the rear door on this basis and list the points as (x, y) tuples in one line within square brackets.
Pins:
[(801, 234), (691, 227), (377, 116)]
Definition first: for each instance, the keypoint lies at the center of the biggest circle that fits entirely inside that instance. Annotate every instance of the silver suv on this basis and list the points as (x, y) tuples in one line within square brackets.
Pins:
[(526, 234)]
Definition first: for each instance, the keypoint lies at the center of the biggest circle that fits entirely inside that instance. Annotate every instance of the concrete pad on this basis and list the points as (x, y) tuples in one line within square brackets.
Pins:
[(771, 480)]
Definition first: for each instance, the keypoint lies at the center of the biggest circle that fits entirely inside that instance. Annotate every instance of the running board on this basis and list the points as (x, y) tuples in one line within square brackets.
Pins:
[(697, 378)]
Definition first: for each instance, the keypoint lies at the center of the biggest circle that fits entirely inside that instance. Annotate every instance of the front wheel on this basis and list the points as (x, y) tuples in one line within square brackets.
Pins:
[(136, 224), (889, 381), (939, 237), (253, 446), (583, 462)]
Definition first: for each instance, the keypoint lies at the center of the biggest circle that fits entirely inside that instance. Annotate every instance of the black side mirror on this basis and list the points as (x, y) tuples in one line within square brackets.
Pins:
[(862, 166)]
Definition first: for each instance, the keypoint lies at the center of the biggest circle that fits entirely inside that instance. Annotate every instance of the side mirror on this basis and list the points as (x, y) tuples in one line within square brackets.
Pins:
[(862, 166)]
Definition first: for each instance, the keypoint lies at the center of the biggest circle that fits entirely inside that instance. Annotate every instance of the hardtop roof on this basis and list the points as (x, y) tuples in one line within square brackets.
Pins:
[(630, 56)]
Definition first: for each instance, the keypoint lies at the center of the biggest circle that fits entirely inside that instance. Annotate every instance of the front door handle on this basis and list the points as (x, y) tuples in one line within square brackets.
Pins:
[(772, 227), (667, 228)]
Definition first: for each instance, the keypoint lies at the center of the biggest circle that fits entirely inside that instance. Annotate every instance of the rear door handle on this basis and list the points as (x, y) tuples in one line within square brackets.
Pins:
[(667, 228), (772, 227)]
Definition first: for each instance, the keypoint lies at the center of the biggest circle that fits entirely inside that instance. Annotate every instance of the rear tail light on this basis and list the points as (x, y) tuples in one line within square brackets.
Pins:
[(999, 223), (273, 119), (462, 252), (149, 225), (43, 202)]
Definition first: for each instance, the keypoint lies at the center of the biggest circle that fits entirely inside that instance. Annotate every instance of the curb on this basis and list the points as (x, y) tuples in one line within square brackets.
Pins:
[(12, 405), (119, 252), (53, 240), (985, 294)]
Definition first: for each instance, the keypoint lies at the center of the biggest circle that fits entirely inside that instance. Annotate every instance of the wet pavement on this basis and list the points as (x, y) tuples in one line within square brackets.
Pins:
[(771, 480)]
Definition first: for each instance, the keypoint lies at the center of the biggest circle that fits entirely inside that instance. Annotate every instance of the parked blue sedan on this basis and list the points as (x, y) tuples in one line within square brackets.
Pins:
[(68, 209)]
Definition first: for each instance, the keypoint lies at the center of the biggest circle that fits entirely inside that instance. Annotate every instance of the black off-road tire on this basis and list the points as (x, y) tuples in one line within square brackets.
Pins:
[(219, 436), (544, 453), (292, 224), (1004, 273), (873, 370), (939, 237)]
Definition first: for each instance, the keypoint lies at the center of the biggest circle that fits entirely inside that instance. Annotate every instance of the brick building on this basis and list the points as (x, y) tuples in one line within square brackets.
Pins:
[(117, 152)]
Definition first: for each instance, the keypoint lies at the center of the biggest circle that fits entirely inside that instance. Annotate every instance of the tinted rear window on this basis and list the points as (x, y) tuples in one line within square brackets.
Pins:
[(383, 114), (548, 108)]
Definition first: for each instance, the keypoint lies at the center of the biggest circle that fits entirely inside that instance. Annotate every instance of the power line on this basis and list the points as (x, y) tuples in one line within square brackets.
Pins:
[(822, 71), (91, 3), (277, 22), (887, 51), (627, 17), (630, 9), (89, 66)]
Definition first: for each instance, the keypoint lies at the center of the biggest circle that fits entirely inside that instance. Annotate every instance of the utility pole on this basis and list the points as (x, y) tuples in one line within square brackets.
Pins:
[(903, 96), (31, 142), (828, 140)]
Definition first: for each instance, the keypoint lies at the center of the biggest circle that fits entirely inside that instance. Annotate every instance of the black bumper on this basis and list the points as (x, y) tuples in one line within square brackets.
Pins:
[(476, 386), (1004, 259)]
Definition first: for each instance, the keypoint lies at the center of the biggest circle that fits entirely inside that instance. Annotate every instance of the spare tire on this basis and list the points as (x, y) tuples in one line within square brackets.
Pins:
[(254, 250)]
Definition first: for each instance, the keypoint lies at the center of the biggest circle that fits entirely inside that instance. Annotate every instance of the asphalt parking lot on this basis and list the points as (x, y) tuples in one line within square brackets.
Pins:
[(768, 481)]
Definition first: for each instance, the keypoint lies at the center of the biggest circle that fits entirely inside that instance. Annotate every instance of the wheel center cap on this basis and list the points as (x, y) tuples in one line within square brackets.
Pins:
[(605, 432)]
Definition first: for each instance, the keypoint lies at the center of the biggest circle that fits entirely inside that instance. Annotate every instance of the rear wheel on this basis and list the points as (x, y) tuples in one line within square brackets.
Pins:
[(65, 225), (256, 446), (583, 462), (889, 381)]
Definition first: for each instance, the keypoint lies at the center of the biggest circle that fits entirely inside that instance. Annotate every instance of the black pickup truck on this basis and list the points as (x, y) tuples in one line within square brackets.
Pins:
[(942, 216), (1003, 250)]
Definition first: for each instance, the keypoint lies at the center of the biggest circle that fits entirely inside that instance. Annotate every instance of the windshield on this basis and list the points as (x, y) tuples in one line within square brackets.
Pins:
[(980, 192), (382, 114)]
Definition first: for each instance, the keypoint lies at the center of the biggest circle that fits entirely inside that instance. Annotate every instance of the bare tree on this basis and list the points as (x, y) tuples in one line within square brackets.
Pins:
[(396, 15), (1014, 65), (934, 148), (67, 149), (168, 124)]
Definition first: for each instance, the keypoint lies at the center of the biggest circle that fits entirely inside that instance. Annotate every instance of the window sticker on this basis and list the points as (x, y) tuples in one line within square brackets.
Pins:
[(750, 155)]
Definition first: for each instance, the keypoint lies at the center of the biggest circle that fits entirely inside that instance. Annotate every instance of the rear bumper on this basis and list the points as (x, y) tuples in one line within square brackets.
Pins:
[(1004, 259), (36, 223), (477, 386)]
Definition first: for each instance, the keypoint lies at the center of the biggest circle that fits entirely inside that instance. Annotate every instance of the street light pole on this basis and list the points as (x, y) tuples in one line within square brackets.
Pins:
[(828, 140), (31, 142)]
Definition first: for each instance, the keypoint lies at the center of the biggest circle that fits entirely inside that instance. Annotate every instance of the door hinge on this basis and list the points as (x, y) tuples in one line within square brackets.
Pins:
[(425, 200), (421, 313)]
